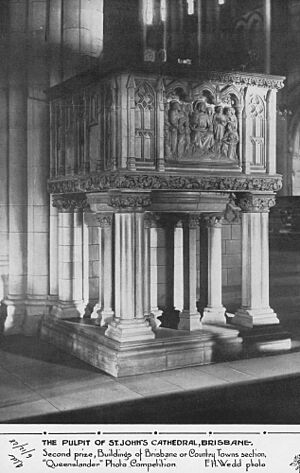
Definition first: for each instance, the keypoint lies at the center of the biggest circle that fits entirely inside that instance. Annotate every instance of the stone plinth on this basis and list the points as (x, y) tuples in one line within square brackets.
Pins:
[(171, 349)]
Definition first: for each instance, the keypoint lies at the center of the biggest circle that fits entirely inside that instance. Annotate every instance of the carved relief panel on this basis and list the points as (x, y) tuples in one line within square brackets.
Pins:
[(202, 124)]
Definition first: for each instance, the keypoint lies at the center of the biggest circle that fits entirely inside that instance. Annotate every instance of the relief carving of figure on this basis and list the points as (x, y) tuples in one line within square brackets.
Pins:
[(219, 124), (231, 117), (230, 141), (201, 127), (174, 117), (183, 133), (177, 131)]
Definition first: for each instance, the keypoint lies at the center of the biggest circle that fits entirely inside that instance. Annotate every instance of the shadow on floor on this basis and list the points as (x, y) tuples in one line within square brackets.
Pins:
[(37, 349), (274, 401)]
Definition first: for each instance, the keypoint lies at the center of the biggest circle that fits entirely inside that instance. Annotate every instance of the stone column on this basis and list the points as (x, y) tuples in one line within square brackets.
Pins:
[(150, 281), (190, 317), (268, 27), (129, 323), (214, 312), (178, 265), (147, 256), (85, 263), (53, 252), (17, 166), (4, 162), (255, 308), (199, 32), (70, 253), (37, 167), (55, 41), (106, 312)]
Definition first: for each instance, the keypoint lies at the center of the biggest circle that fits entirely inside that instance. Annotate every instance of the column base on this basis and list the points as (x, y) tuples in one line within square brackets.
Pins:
[(255, 317), (106, 317), (188, 321), (68, 310), (153, 318), (36, 309), (103, 317), (12, 316), (129, 330), (214, 316)]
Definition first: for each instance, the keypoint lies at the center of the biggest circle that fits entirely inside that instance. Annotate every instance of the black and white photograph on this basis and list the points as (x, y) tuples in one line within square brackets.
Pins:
[(150, 225)]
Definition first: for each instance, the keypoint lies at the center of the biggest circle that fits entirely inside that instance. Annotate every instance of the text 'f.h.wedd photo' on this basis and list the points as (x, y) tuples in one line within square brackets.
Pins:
[(150, 235)]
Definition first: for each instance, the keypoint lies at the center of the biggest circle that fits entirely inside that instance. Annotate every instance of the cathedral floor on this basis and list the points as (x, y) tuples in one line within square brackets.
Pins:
[(41, 384)]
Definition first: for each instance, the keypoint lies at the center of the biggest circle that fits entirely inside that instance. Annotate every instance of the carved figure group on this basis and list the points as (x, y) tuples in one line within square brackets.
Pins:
[(199, 130), (201, 127)]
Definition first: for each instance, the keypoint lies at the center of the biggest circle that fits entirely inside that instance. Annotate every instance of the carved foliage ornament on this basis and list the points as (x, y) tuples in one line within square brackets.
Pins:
[(70, 203), (194, 220), (104, 182), (255, 203), (104, 220), (213, 220), (130, 201), (270, 82), (151, 220)]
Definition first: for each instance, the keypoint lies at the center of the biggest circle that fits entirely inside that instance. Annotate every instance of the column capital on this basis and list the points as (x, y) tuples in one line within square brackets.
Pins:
[(151, 220), (104, 220), (213, 220), (193, 220), (255, 203), (70, 203), (130, 201)]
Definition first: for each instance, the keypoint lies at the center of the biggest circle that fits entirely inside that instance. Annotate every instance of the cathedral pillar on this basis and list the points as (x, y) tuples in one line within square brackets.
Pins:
[(214, 312), (70, 257), (105, 310), (129, 323), (189, 317), (150, 280), (255, 308), (55, 39), (4, 209), (178, 266), (268, 26), (37, 167), (17, 162), (85, 262), (53, 252)]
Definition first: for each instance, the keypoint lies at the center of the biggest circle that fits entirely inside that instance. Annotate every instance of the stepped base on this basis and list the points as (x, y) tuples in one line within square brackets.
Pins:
[(169, 350), (267, 338)]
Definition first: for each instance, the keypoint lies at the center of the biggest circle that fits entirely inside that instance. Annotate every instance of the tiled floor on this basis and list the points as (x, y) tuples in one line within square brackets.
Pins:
[(37, 379)]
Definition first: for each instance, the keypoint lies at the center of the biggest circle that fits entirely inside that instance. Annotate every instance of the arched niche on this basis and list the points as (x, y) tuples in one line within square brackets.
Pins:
[(144, 122)]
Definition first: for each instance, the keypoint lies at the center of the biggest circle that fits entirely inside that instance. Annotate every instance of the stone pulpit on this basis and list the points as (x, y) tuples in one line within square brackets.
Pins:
[(146, 164)]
